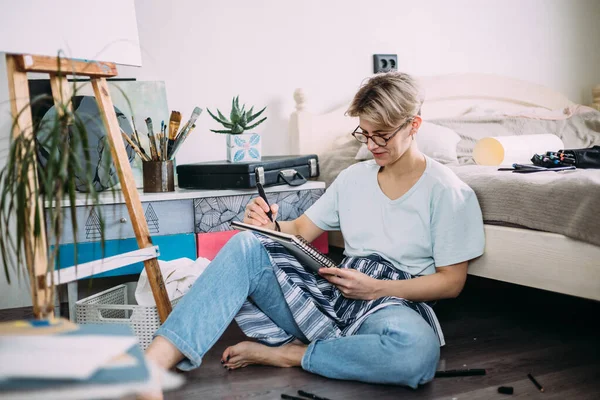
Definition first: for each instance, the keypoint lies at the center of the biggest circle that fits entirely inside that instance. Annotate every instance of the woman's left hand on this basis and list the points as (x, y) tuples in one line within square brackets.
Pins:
[(352, 283)]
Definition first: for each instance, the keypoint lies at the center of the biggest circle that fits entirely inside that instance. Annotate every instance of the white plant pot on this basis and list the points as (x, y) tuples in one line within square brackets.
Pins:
[(244, 147)]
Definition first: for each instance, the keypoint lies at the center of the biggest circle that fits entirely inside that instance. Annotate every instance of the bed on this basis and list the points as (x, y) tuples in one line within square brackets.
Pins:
[(567, 262)]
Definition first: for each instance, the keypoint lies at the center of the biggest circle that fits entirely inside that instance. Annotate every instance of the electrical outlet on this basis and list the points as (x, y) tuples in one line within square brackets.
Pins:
[(385, 62)]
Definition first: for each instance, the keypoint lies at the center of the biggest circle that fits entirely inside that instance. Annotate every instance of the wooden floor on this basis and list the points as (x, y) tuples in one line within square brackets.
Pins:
[(507, 329)]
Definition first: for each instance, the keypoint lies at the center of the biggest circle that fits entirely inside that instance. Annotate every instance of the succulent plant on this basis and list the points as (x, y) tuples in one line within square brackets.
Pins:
[(239, 119)]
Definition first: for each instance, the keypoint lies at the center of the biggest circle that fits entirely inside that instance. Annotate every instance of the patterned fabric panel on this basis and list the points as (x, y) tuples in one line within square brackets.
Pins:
[(213, 214)]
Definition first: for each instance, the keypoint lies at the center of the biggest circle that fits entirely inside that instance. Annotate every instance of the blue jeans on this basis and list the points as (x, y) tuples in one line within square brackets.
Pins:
[(394, 345)]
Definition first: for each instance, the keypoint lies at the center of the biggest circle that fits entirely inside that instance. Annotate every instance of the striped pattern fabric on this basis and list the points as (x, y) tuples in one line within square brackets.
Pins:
[(319, 308)]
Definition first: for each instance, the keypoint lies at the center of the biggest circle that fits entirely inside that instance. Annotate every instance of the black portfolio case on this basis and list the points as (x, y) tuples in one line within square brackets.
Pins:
[(271, 170)]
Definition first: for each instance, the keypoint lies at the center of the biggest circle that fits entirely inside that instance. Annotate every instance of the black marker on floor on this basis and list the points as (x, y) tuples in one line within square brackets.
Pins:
[(536, 383), (460, 372), (506, 390), (311, 396), (288, 397)]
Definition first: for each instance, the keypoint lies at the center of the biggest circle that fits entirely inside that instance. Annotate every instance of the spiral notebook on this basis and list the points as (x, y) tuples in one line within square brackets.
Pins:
[(299, 247)]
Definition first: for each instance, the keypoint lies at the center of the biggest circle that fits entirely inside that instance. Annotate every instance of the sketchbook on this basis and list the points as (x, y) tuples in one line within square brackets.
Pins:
[(299, 247)]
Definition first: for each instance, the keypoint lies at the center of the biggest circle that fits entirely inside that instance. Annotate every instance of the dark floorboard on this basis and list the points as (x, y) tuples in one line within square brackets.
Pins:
[(508, 329), (487, 327)]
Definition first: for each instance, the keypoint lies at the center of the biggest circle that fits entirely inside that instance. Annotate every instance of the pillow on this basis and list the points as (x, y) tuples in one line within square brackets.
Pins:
[(435, 141)]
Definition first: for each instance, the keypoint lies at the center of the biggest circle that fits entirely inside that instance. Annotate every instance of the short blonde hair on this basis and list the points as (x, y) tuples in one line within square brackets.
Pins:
[(387, 99)]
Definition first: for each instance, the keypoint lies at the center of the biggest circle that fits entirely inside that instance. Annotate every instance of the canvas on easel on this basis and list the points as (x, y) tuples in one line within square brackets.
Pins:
[(133, 100)]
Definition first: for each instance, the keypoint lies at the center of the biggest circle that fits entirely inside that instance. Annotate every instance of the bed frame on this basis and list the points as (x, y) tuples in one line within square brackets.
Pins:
[(537, 259)]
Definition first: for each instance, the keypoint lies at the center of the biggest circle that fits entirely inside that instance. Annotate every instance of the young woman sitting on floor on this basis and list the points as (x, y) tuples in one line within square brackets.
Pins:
[(410, 227)]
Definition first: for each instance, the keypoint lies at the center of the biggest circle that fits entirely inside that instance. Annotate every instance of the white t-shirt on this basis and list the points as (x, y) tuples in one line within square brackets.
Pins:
[(437, 222)]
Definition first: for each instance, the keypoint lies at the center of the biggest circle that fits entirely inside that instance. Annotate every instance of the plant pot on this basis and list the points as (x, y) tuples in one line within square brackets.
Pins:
[(244, 147)]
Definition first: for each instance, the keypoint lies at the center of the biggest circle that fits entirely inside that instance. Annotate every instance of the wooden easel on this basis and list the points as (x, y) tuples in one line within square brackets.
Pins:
[(36, 251)]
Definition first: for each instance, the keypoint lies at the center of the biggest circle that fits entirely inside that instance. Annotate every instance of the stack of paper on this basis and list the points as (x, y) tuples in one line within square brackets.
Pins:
[(93, 361)]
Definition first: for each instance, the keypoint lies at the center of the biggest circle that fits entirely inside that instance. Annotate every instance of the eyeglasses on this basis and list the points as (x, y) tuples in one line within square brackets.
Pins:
[(379, 140)]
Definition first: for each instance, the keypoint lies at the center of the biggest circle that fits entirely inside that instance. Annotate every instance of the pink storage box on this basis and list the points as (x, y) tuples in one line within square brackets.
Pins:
[(209, 244)]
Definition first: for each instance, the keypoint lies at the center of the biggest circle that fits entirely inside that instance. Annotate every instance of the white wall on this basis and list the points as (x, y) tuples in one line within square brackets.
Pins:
[(209, 51)]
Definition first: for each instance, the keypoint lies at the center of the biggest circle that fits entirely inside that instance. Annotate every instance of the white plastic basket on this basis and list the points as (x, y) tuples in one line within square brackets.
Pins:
[(112, 307)]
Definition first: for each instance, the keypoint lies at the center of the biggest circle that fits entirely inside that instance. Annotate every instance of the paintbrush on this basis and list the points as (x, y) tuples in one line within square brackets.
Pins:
[(174, 123), (136, 139), (143, 156), (139, 144), (195, 114), (159, 141), (180, 140), (135, 132), (153, 150), (185, 131), (165, 143)]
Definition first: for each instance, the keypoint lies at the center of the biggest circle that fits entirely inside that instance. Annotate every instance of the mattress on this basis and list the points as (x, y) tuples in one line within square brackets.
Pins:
[(566, 203)]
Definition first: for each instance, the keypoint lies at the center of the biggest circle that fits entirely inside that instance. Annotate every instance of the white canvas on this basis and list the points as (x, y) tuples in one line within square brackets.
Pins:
[(101, 31)]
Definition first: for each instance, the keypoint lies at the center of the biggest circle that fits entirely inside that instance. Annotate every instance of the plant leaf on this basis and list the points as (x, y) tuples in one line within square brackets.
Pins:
[(234, 115), (221, 131), (224, 122), (256, 124), (253, 117), (237, 129), (243, 121), (222, 117)]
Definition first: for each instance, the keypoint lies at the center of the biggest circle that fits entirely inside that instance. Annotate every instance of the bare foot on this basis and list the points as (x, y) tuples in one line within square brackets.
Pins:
[(163, 353), (246, 353)]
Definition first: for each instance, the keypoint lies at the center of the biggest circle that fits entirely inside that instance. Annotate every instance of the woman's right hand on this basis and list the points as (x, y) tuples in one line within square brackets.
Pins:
[(256, 213)]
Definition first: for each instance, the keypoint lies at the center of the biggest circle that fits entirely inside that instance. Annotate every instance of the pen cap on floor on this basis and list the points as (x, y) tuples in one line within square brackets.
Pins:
[(158, 176)]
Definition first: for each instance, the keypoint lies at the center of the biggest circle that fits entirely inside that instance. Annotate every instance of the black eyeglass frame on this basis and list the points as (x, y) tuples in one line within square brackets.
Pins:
[(375, 138)]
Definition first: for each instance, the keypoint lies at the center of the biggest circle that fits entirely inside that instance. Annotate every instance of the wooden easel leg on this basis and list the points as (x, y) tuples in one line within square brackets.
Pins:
[(61, 91), (134, 206), (35, 249)]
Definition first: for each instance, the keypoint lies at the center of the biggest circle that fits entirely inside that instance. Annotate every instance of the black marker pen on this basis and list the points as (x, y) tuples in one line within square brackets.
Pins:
[(262, 194)]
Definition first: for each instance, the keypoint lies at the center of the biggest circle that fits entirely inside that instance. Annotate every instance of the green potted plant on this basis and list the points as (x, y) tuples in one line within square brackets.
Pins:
[(242, 146), (32, 210)]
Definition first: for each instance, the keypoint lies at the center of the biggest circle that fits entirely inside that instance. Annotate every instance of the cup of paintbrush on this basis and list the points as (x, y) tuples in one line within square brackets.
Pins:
[(158, 176)]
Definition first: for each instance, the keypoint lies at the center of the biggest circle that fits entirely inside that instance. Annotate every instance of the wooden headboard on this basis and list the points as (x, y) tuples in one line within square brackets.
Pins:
[(445, 96)]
